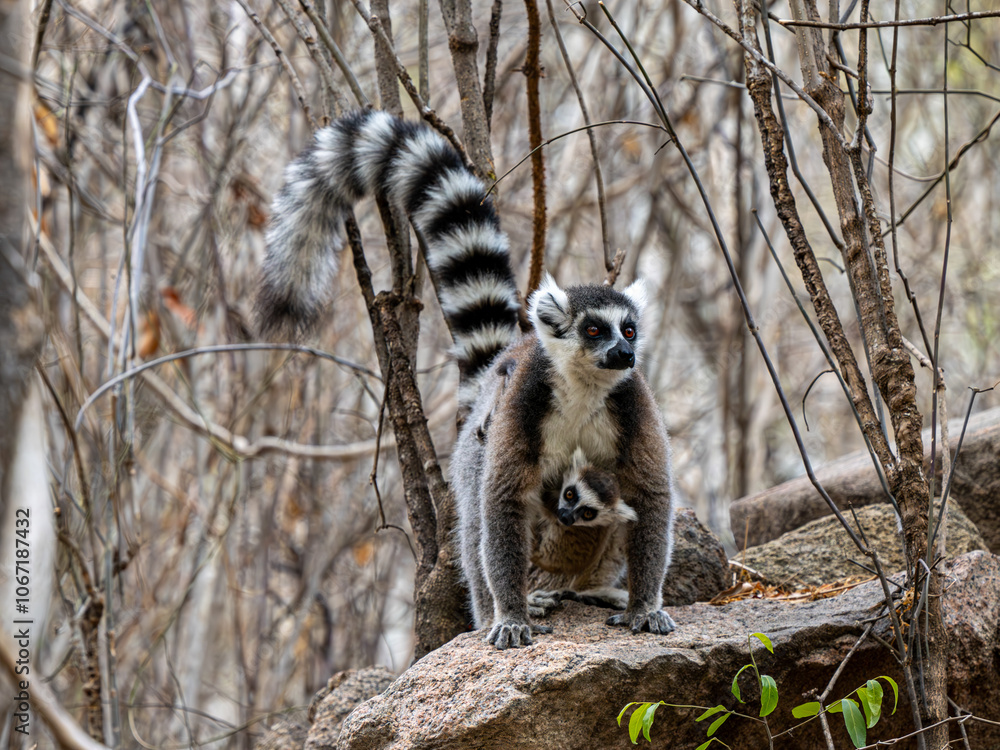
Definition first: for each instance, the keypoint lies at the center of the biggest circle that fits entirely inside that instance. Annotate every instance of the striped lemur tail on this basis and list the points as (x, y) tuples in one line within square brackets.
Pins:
[(373, 153)]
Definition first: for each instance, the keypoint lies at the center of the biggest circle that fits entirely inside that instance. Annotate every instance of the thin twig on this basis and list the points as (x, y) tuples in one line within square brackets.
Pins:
[(821, 113), (936, 376), (238, 445), (490, 74), (616, 267), (966, 147), (602, 201), (325, 71), (293, 77), (932, 21), (423, 66), (555, 138), (426, 112), (43, 24), (213, 349), (334, 50), (533, 73), (792, 160), (723, 246)]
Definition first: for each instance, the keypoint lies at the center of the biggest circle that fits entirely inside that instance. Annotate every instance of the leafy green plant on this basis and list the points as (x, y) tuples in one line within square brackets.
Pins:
[(870, 697), (859, 715)]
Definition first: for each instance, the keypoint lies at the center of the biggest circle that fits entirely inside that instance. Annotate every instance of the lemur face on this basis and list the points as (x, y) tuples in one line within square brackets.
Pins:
[(578, 502), (590, 497), (589, 328), (609, 335)]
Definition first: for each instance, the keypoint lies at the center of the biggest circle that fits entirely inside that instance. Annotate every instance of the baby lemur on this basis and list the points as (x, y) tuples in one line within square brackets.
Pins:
[(579, 542), (571, 381)]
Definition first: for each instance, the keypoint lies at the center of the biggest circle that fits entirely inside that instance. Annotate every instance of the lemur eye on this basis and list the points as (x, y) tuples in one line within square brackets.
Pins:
[(569, 495), (628, 332), (593, 331), (589, 514)]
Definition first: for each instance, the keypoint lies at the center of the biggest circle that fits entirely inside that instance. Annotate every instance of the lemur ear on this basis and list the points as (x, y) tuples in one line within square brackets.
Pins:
[(549, 309), (636, 291), (626, 513), (579, 459)]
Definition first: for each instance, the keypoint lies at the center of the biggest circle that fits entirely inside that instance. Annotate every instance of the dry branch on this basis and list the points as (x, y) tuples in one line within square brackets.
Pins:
[(463, 42), (439, 597), (238, 445), (532, 70)]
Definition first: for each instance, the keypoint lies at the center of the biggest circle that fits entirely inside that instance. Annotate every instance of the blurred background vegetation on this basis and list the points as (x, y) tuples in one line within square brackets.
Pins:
[(239, 565)]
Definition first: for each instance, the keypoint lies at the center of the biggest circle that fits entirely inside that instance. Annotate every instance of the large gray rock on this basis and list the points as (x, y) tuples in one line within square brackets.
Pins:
[(821, 551), (699, 569), (565, 690), (852, 482), (343, 692)]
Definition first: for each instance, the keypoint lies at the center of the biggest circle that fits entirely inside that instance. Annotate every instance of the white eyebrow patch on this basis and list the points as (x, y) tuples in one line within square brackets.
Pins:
[(614, 317)]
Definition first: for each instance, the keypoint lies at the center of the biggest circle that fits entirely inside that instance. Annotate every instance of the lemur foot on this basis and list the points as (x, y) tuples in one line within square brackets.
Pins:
[(512, 634), (541, 603), (656, 621)]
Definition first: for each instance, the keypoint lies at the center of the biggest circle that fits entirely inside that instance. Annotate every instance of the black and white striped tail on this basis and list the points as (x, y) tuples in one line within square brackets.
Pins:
[(369, 153)]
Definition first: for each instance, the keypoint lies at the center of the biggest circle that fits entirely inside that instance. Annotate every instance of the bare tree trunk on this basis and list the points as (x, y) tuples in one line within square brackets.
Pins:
[(464, 44), (871, 287), (439, 598), (22, 333), (21, 330)]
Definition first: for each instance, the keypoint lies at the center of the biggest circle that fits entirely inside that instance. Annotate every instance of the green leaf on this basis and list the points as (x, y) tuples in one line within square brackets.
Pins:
[(835, 708), (711, 712), (635, 722), (895, 690), (765, 640), (717, 723), (807, 709), (736, 686), (647, 720), (703, 745), (871, 699), (768, 694), (633, 703), (854, 721)]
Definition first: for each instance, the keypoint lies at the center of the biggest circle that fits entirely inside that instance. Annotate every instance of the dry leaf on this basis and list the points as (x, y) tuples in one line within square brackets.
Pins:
[(173, 303), (47, 121), (149, 340)]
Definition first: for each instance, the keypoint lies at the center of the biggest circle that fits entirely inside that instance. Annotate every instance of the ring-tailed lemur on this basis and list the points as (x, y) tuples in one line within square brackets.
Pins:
[(571, 381), (579, 541)]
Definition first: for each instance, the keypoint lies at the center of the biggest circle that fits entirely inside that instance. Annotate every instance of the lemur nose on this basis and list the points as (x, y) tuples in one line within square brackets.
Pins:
[(620, 357)]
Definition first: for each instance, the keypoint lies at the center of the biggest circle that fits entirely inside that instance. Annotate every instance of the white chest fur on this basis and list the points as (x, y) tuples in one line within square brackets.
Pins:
[(579, 417)]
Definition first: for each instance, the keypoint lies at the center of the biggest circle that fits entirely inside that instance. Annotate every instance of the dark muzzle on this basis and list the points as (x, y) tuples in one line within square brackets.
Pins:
[(621, 357)]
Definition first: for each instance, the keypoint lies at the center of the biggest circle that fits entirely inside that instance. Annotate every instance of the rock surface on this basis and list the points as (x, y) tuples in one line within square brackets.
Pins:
[(852, 481), (821, 551), (699, 569), (565, 690), (343, 692)]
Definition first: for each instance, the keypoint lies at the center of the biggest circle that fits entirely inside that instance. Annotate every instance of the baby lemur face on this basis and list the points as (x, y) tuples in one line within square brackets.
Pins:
[(590, 497)]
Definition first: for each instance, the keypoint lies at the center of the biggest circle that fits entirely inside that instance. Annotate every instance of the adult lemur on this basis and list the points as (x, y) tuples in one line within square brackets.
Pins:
[(533, 398)]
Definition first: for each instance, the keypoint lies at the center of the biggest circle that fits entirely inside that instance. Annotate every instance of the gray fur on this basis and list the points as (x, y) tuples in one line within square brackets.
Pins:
[(545, 396), (532, 400)]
